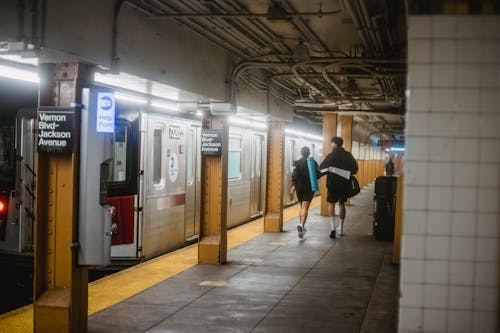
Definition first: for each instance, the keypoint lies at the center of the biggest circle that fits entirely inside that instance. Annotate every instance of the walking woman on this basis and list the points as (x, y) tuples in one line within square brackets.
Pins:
[(301, 184)]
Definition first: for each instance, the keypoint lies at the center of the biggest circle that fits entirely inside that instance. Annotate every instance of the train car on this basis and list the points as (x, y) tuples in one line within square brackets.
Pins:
[(154, 180)]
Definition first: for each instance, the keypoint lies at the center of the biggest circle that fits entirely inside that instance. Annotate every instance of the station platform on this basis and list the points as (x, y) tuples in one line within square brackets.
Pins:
[(271, 283)]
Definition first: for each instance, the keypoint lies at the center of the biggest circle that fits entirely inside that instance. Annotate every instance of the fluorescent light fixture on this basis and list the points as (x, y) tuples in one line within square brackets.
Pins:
[(130, 98), (19, 74), (291, 131), (198, 113), (398, 149), (166, 106), (19, 59)]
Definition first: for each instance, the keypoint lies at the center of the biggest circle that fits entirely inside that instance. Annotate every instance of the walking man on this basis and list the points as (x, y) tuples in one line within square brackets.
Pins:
[(301, 184), (339, 165)]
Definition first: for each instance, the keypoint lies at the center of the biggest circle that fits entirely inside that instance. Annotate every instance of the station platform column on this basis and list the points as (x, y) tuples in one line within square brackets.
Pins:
[(60, 285), (212, 247), (329, 131), (273, 218)]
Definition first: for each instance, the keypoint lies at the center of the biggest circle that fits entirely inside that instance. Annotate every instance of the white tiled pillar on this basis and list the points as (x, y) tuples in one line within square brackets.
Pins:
[(451, 235)]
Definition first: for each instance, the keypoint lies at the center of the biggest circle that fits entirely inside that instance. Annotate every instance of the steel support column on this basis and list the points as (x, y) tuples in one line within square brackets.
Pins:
[(212, 248), (273, 219), (345, 131), (60, 286), (329, 131)]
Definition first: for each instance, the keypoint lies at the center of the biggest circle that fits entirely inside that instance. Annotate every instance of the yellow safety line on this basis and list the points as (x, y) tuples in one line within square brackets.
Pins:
[(117, 287)]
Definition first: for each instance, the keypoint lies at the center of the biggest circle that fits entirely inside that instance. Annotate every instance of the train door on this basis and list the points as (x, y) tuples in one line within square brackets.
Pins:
[(193, 186), (256, 175)]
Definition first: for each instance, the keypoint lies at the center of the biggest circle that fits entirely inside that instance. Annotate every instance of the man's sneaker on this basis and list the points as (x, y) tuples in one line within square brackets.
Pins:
[(332, 234), (301, 231), (340, 232)]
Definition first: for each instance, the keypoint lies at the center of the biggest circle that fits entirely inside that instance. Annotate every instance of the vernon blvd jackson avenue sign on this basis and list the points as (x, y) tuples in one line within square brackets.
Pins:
[(211, 142), (55, 130)]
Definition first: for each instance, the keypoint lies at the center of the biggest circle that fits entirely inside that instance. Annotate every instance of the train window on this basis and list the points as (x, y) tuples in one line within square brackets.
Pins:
[(6, 154), (258, 155), (157, 155), (234, 158), (190, 156), (292, 154), (313, 150)]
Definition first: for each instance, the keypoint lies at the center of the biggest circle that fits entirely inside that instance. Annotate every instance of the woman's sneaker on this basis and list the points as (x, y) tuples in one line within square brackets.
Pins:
[(300, 230), (332, 234)]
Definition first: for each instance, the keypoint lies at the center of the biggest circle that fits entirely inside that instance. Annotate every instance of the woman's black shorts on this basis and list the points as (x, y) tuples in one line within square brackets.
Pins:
[(305, 195)]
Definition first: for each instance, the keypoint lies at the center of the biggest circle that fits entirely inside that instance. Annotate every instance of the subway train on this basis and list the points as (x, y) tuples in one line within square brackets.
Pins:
[(154, 179)]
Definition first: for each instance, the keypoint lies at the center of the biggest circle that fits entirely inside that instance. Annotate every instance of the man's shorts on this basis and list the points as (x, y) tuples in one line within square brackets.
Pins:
[(305, 195), (335, 196)]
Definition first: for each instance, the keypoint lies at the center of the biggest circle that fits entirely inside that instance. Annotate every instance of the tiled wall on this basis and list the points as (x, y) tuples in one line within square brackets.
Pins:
[(451, 236)]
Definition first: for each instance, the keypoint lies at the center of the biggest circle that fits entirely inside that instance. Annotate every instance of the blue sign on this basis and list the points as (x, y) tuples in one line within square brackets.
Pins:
[(105, 112)]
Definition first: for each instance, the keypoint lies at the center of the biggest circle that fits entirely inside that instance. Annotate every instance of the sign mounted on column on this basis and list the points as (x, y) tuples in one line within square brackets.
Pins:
[(211, 142), (55, 130)]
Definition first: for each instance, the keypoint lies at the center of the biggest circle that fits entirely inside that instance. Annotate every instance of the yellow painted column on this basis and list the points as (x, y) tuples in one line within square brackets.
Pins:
[(60, 286), (345, 131), (273, 218), (329, 131), (212, 247)]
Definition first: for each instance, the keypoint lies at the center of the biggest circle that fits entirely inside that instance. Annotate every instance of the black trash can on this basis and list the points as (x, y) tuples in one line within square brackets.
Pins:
[(384, 208)]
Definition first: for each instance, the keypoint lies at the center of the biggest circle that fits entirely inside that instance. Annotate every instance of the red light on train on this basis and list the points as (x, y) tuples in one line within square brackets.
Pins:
[(3, 206)]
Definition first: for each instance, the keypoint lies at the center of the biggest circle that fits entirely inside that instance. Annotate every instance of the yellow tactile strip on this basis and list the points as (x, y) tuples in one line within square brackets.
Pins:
[(119, 286)]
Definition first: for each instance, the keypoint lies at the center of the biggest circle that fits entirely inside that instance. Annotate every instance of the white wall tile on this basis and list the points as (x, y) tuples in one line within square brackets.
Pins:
[(418, 123), (469, 51), (444, 51), (465, 126), (415, 222), (489, 125), (464, 199), (412, 271), (443, 100), (419, 51), (468, 75), (485, 299), (419, 27), (467, 100), (439, 223), (489, 175), (465, 174), (490, 76), (463, 224), (439, 198), (444, 26), (462, 273), (440, 174), (460, 298), (459, 321), (490, 150), (484, 322), (410, 319), (444, 75), (435, 320), (412, 295), (442, 124), (415, 198), (419, 76), (462, 248), (491, 52), (441, 149), (491, 26), (488, 200), (419, 99), (487, 249), (469, 26), (413, 247), (489, 100), (488, 224), (417, 173), (466, 150), (436, 271), (486, 275), (435, 296), (417, 148), (438, 247)]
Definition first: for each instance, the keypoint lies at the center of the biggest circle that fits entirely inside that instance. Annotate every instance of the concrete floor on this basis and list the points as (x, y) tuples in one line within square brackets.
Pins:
[(276, 283)]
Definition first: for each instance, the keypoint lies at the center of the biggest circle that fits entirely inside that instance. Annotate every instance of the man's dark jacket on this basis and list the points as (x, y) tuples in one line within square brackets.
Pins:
[(342, 159)]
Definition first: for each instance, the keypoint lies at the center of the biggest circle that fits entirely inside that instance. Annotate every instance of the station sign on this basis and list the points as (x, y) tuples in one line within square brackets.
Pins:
[(55, 130), (211, 142), (105, 112)]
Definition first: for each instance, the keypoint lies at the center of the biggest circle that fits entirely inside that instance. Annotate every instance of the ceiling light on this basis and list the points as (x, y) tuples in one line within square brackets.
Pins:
[(19, 74)]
